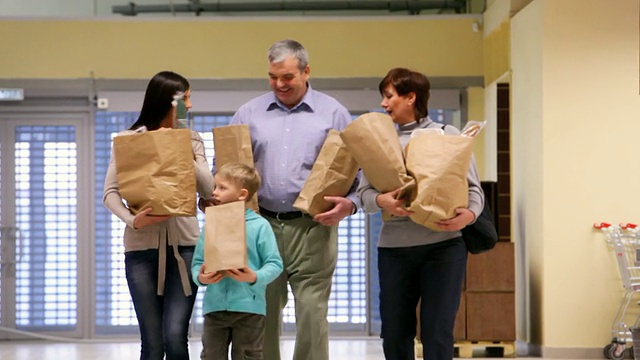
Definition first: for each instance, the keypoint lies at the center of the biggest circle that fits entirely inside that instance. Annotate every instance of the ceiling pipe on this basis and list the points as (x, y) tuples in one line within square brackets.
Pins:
[(413, 7)]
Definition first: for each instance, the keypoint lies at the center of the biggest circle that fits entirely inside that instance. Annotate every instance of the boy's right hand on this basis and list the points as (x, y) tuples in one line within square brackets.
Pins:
[(209, 278)]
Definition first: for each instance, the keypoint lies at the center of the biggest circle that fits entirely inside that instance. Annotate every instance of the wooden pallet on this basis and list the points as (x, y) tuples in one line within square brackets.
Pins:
[(469, 349), (478, 349)]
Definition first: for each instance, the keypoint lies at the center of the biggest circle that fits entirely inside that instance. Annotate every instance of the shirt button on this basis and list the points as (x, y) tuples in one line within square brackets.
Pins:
[(287, 130), (285, 148), (283, 201)]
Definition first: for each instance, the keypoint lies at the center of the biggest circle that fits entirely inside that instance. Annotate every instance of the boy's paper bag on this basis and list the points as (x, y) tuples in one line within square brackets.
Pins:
[(232, 143), (155, 169), (439, 163), (225, 244), (333, 174)]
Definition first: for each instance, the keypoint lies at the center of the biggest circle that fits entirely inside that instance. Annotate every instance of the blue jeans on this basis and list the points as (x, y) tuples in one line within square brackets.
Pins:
[(434, 272), (163, 320)]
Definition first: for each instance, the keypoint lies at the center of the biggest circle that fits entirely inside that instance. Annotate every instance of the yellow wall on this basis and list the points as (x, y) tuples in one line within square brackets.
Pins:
[(575, 142), (135, 48), (496, 55)]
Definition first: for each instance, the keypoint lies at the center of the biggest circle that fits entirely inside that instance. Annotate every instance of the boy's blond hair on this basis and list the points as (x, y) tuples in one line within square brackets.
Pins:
[(242, 175)]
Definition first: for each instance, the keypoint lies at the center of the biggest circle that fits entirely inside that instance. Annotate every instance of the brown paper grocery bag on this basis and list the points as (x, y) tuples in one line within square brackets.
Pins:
[(225, 244), (439, 163), (155, 169), (333, 174), (232, 143), (373, 141)]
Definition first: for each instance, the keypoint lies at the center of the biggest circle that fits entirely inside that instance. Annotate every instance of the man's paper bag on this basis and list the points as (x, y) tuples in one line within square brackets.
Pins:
[(373, 141), (155, 170), (232, 143), (225, 244), (332, 174), (439, 163)]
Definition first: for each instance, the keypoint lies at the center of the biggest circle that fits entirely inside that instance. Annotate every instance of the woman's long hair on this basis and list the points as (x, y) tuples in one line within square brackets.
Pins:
[(158, 99)]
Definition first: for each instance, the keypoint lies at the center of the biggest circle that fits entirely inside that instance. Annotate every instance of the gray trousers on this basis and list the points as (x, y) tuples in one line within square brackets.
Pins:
[(244, 331)]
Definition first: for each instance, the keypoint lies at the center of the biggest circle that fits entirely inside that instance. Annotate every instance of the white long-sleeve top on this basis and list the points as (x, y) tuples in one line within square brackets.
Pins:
[(175, 231)]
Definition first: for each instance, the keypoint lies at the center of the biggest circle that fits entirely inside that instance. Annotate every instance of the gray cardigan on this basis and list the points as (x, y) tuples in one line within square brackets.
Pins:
[(179, 230), (401, 231)]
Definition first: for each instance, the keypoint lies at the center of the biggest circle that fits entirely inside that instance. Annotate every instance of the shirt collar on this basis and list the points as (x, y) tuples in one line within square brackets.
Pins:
[(424, 122), (306, 104)]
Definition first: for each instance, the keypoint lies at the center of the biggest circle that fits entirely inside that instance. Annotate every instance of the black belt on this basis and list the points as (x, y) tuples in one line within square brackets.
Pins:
[(281, 215)]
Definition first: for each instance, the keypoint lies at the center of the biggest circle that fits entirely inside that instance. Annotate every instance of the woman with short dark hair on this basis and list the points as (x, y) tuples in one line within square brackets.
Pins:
[(415, 262)]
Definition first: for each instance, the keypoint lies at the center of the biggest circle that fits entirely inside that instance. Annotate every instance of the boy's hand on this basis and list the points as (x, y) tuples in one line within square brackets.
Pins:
[(243, 275), (209, 278), (394, 206)]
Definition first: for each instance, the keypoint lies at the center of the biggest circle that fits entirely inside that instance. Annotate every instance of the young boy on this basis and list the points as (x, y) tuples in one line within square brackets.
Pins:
[(234, 303)]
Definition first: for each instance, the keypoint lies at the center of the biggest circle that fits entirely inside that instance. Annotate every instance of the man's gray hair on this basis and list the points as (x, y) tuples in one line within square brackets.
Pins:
[(279, 51)]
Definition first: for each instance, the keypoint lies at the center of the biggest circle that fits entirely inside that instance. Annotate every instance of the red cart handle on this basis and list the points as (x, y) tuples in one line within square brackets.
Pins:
[(601, 225)]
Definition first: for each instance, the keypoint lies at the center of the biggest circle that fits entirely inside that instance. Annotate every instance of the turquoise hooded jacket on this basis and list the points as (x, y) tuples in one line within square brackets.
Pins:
[(263, 258)]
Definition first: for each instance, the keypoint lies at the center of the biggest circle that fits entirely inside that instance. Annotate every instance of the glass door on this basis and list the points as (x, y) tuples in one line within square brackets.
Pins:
[(42, 236)]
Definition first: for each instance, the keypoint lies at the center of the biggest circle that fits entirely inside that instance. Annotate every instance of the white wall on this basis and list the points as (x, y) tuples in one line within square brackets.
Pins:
[(576, 105), (527, 167)]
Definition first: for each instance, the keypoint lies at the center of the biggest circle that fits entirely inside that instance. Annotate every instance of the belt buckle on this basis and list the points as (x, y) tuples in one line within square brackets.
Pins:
[(278, 216)]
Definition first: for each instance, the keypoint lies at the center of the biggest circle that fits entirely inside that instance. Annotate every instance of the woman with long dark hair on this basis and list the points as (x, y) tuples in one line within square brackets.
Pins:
[(159, 249)]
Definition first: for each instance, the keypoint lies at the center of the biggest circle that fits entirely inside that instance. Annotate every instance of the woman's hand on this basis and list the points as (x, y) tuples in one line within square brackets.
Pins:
[(143, 219), (209, 278), (463, 217), (394, 206)]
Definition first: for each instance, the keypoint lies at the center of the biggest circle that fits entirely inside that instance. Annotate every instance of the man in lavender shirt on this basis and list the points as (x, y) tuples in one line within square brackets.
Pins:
[(288, 127)]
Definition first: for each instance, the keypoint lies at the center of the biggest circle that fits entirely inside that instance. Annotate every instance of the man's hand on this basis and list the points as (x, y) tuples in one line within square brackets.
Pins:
[(203, 203), (209, 278), (463, 217), (143, 219), (394, 206), (242, 275), (342, 208)]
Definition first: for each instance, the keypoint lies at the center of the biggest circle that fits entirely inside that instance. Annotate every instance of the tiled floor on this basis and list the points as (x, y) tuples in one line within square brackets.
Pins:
[(340, 349)]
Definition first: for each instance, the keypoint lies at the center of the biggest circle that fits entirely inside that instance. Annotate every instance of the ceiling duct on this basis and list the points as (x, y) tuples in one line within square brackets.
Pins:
[(413, 7)]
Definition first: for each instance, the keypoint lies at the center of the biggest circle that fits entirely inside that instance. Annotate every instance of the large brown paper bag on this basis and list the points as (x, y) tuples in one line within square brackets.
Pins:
[(155, 170), (225, 244), (373, 141), (439, 163), (232, 143), (333, 174)]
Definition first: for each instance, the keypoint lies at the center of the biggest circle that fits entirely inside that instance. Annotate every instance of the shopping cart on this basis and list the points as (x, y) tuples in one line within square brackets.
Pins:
[(625, 240)]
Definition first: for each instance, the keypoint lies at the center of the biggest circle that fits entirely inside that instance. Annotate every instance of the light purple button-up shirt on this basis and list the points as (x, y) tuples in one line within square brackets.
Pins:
[(287, 141)]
